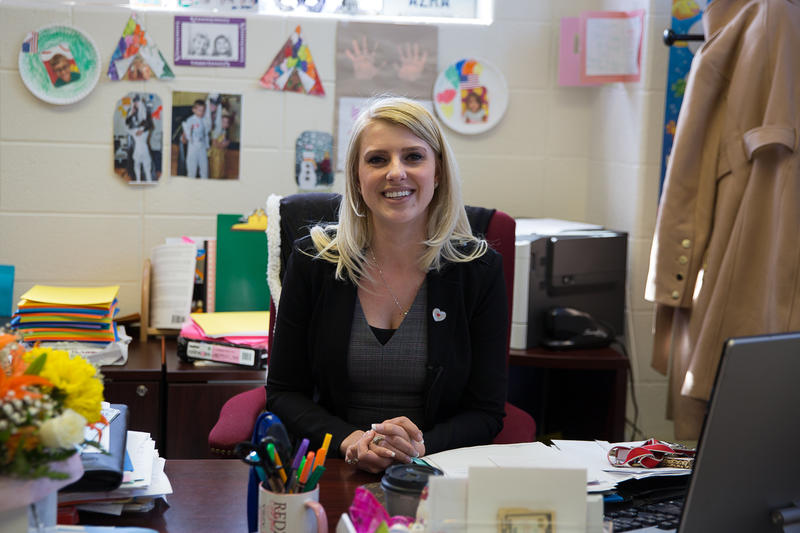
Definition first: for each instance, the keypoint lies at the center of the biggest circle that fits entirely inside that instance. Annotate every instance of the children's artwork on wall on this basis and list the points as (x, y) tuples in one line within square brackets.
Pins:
[(137, 57), (218, 5), (138, 136), (59, 64), (470, 96), (210, 41), (312, 161), (206, 129), (293, 69), (376, 59)]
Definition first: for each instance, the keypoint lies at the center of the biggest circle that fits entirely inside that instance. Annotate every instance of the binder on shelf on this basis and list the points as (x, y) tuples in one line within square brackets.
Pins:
[(191, 350)]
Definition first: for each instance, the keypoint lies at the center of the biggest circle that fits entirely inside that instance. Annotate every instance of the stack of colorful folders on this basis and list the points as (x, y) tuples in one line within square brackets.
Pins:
[(83, 314)]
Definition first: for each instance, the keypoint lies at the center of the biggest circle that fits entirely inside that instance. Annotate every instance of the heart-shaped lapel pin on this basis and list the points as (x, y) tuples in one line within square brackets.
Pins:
[(439, 315)]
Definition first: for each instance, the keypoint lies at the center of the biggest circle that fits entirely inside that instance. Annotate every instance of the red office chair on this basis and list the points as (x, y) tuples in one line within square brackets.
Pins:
[(295, 214)]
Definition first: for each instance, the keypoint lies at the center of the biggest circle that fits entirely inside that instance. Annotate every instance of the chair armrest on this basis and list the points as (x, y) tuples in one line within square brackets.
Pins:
[(236, 419), (518, 426)]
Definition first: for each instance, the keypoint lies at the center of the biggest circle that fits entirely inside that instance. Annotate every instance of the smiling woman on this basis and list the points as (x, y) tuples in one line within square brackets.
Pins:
[(398, 313)]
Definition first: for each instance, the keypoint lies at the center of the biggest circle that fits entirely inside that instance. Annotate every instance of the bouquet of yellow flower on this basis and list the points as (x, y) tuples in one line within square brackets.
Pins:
[(47, 398)]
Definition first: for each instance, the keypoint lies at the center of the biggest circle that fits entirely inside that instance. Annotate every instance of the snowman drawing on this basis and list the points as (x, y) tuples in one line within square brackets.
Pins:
[(307, 179)]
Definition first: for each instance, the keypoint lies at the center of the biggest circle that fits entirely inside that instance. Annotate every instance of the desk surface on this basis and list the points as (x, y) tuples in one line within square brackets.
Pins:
[(210, 495)]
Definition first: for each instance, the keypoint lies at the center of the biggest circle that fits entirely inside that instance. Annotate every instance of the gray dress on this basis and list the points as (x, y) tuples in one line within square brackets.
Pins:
[(388, 379)]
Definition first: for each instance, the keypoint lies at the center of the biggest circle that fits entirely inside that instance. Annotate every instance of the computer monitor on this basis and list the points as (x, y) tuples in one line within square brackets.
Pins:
[(748, 460)]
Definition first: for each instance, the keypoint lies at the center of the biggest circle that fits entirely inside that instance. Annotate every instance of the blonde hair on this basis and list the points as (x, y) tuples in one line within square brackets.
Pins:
[(448, 229)]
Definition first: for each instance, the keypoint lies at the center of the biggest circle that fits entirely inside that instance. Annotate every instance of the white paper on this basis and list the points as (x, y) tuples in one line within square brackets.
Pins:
[(454, 463), (172, 284), (612, 46)]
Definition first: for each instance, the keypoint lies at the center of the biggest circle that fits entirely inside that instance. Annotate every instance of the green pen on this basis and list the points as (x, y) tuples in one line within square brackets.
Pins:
[(314, 478), (296, 478)]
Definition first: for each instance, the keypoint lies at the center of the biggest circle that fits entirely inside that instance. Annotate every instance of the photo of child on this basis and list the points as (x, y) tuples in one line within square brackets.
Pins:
[(222, 46), (205, 135), (198, 44), (210, 41), (60, 65), (475, 105), (138, 137)]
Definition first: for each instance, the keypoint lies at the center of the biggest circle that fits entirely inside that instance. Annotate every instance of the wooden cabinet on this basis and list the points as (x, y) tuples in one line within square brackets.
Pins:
[(176, 402), (577, 394), (195, 394), (138, 384)]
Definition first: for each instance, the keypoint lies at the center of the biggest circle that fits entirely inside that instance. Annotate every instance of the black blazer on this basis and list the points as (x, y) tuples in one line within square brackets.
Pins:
[(307, 382)]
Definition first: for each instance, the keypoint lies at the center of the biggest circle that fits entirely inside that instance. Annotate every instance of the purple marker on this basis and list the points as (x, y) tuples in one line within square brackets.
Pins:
[(301, 452)]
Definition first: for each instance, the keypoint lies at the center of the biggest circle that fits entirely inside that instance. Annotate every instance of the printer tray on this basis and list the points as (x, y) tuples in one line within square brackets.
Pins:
[(103, 472)]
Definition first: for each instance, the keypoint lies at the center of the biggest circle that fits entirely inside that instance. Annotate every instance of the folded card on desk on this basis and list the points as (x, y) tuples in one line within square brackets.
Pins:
[(104, 471)]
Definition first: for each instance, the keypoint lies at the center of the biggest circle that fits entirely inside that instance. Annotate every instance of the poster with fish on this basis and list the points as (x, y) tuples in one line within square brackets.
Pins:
[(59, 64), (687, 18)]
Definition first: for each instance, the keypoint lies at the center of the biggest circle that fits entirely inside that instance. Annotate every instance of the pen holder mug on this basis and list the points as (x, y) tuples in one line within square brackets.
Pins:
[(280, 512)]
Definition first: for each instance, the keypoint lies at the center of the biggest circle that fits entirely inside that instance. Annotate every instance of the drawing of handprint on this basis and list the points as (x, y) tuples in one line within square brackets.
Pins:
[(363, 60), (412, 63)]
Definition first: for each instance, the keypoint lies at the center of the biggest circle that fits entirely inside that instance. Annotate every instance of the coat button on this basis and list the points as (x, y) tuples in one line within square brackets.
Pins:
[(683, 260), (675, 295), (686, 243)]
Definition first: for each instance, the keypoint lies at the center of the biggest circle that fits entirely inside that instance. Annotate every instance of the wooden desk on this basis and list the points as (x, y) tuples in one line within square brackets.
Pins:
[(210, 495), (139, 385), (195, 395), (581, 394)]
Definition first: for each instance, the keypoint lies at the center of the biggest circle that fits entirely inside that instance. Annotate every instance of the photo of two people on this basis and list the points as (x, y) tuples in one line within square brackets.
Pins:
[(206, 135), (138, 135)]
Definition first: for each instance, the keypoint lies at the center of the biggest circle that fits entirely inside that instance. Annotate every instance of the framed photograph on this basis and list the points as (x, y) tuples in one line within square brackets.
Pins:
[(209, 41), (206, 135)]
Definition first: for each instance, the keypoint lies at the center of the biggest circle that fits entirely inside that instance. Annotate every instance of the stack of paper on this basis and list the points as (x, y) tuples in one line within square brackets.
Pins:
[(143, 482), (239, 338), (82, 314)]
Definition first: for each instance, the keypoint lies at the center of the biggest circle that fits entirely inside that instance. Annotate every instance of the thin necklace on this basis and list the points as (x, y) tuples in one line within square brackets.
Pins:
[(404, 312)]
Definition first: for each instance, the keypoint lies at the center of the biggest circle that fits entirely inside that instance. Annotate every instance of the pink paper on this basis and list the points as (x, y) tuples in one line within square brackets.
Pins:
[(569, 53)]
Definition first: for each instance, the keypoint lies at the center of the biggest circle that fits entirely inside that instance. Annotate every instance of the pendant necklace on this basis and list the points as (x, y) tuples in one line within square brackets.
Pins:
[(404, 312)]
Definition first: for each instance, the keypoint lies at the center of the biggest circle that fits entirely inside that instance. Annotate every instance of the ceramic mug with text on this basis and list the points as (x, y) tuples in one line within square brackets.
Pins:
[(289, 513)]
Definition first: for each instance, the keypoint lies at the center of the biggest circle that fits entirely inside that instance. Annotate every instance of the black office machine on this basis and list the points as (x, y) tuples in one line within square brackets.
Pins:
[(569, 285)]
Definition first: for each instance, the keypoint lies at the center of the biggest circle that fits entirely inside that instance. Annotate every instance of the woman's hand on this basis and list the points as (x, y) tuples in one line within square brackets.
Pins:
[(361, 452), (401, 436)]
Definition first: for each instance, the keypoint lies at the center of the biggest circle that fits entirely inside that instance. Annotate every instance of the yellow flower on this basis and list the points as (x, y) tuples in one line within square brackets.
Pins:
[(74, 378)]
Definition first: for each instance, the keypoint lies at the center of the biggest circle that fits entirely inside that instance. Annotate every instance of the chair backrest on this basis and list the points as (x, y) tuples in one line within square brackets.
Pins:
[(297, 213)]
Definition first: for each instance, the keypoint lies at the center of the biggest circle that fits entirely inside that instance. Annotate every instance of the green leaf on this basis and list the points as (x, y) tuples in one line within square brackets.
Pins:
[(36, 366)]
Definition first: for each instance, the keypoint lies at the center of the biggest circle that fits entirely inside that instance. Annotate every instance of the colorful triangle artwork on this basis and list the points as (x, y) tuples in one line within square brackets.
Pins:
[(137, 57), (293, 69)]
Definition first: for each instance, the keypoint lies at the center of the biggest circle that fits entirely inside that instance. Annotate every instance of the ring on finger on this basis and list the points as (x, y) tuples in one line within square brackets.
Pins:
[(351, 460), (377, 439)]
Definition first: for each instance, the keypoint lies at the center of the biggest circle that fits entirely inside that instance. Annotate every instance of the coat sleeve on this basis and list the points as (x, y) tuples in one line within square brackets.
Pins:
[(480, 402), (290, 388)]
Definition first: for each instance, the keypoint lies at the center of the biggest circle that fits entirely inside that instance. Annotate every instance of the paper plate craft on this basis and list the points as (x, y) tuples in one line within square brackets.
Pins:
[(137, 57), (137, 138), (293, 69), (312, 161), (470, 96), (59, 64)]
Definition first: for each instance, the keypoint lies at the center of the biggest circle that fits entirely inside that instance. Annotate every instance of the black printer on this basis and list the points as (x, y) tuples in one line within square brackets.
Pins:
[(569, 287)]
